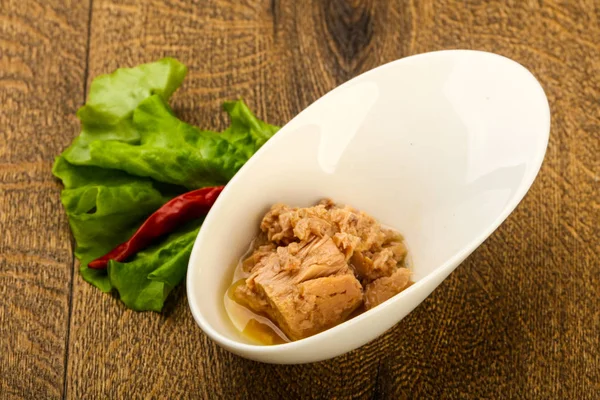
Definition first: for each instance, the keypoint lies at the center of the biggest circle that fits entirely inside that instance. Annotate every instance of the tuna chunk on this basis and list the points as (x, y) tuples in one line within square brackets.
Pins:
[(284, 225), (305, 288), (259, 253), (387, 287), (347, 243), (327, 302), (370, 266), (277, 224), (312, 267)]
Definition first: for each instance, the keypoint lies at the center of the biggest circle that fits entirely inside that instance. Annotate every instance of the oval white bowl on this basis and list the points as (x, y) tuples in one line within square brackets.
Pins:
[(441, 146)]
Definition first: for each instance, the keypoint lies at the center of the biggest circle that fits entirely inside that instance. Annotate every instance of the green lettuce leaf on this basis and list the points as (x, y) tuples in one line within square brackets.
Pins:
[(133, 155), (104, 208), (145, 282), (169, 150), (112, 99)]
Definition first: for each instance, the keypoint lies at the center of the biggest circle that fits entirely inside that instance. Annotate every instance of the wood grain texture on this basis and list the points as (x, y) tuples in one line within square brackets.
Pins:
[(42, 70), (520, 318)]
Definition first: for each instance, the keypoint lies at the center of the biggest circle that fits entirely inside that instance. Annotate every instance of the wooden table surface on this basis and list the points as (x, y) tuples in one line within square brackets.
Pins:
[(520, 318)]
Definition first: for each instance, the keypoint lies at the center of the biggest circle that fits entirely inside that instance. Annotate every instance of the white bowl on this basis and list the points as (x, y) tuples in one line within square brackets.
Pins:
[(440, 146)]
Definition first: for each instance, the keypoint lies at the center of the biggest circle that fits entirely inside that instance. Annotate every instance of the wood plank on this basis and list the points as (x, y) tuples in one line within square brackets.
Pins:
[(42, 69), (518, 319)]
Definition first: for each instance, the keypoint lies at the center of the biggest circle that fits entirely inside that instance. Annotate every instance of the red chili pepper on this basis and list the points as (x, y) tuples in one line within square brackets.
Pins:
[(172, 214)]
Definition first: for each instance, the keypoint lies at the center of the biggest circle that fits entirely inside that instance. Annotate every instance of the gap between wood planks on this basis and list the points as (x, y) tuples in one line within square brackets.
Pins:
[(70, 313)]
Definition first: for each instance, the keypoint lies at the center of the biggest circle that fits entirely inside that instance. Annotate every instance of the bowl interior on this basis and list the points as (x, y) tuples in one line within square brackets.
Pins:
[(439, 147)]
